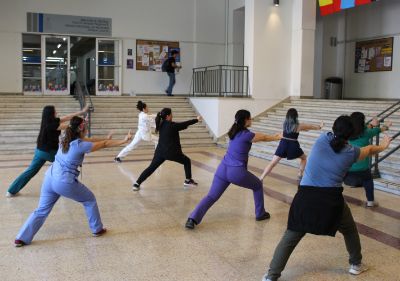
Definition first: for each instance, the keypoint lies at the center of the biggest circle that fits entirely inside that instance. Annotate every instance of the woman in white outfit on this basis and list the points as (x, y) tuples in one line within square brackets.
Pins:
[(145, 123)]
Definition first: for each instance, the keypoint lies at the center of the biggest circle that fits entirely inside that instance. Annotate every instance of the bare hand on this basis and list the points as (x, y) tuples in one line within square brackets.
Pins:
[(386, 141), (110, 134), (199, 118), (85, 109), (388, 123), (321, 125), (278, 136), (374, 122), (128, 137)]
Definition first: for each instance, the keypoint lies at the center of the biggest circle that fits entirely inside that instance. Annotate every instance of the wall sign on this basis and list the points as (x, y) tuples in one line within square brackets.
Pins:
[(374, 55), (64, 24)]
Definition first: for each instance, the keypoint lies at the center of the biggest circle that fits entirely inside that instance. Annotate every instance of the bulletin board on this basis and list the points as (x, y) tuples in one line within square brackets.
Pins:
[(151, 54), (374, 55)]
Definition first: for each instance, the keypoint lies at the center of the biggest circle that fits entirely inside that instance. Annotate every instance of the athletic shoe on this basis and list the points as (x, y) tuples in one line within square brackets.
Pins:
[(265, 278), (117, 160), (19, 243), (101, 232), (190, 223), (136, 187), (190, 183), (9, 195), (357, 269), (370, 204), (264, 217)]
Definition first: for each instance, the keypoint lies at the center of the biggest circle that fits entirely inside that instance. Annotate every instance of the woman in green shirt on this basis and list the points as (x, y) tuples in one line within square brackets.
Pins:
[(360, 172)]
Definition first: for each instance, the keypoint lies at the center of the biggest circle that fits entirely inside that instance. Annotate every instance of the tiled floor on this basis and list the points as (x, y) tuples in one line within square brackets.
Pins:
[(147, 240)]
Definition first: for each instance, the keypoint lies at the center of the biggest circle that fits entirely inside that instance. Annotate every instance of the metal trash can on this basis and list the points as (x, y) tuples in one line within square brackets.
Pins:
[(333, 88)]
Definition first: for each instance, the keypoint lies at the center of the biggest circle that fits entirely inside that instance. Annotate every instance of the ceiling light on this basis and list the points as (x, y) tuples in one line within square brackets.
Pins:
[(58, 46), (54, 52), (276, 3), (64, 39)]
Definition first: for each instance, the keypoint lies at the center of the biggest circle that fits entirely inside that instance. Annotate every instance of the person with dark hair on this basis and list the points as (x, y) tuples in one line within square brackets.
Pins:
[(47, 145), (360, 172), (233, 169), (145, 123), (318, 206), (169, 66), (169, 147), (62, 180), (289, 146)]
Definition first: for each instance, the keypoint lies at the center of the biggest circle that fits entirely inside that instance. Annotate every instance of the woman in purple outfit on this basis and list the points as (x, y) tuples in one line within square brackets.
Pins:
[(233, 169)]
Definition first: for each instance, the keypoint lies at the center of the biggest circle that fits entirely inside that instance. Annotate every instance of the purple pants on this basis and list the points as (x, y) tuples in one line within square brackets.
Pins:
[(224, 176)]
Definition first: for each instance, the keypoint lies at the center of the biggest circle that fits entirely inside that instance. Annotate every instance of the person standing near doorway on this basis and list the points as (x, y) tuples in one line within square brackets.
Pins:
[(169, 67)]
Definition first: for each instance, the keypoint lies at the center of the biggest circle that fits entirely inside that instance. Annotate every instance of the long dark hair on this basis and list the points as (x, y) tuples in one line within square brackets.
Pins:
[(358, 120), (141, 105), (291, 122), (73, 132), (48, 117), (240, 122), (161, 117), (342, 130)]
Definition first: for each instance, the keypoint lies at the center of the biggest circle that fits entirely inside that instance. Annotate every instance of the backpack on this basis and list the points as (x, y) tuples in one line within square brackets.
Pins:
[(165, 65)]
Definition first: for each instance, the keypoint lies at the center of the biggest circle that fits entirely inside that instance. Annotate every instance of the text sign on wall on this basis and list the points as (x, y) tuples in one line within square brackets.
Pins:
[(374, 55), (64, 24)]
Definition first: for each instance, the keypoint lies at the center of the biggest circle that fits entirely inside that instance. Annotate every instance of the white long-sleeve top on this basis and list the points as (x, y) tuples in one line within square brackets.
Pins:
[(146, 122)]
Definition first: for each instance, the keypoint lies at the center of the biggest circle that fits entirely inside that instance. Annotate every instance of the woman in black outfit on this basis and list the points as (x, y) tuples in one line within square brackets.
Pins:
[(169, 147)]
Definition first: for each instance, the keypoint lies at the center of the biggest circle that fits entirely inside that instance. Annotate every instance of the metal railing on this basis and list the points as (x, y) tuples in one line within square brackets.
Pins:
[(382, 116), (221, 81), (82, 95)]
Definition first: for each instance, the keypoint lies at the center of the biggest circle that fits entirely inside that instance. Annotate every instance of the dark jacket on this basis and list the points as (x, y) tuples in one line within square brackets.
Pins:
[(169, 144), (316, 210)]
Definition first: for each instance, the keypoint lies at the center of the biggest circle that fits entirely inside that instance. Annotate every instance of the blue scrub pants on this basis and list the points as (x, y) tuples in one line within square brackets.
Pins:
[(52, 189), (39, 159)]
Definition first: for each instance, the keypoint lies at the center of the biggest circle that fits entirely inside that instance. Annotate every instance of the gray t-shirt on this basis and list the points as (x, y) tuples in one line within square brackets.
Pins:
[(325, 168)]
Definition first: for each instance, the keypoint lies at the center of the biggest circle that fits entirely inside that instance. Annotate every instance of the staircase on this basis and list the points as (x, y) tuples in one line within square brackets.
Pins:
[(313, 111), (20, 118), (120, 115)]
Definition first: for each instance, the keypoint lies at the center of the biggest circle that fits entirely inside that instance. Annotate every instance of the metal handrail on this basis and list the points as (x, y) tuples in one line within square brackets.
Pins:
[(393, 150), (386, 110), (82, 97)]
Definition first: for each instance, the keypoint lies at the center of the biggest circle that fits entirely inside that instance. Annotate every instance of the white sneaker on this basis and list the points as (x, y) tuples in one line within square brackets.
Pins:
[(372, 204), (357, 269), (136, 187), (265, 278), (190, 183), (9, 195)]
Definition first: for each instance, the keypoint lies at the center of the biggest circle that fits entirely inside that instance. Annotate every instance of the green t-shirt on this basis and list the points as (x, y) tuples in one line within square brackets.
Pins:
[(360, 142)]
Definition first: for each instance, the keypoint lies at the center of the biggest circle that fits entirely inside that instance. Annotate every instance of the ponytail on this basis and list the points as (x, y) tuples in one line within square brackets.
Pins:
[(141, 105), (161, 117), (73, 132), (342, 130), (240, 123)]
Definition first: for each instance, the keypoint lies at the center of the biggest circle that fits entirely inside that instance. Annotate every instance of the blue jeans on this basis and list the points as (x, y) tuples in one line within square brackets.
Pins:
[(172, 82), (39, 159), (52, 189), (224, 176)]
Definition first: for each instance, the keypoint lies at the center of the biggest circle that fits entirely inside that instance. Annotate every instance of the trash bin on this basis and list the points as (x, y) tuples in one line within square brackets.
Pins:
[(333, 88)]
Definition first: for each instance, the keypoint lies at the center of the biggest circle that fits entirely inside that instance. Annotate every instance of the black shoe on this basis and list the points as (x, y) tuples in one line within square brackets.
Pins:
[(190, 223), (190, 183), (136, 187), (117, 160), (264, 217)]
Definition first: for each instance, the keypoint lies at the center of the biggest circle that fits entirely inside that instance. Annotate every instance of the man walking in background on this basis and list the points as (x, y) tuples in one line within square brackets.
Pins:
[(169, 66)]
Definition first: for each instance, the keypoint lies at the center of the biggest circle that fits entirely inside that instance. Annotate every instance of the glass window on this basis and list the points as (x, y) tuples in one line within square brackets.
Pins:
[(31, 63)]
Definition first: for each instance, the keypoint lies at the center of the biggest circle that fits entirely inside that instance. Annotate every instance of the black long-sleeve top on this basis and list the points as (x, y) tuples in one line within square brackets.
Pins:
[(169, 144)]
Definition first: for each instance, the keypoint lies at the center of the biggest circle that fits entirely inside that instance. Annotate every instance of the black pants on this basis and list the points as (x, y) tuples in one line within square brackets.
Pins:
[(159, 159), (361, 178)]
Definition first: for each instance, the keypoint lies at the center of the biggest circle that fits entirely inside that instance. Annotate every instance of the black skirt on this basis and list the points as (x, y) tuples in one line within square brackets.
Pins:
[(316, 210), (289, 149)]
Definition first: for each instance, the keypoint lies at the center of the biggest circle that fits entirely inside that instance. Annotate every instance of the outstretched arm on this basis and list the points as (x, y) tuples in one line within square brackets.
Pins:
[(183, 125), (307, 127), (370, 150), (69, 116), (93, 139), (263, 137), (111, 143)]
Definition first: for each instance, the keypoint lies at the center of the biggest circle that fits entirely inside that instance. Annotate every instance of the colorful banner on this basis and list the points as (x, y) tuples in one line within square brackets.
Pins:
[(332, 6)]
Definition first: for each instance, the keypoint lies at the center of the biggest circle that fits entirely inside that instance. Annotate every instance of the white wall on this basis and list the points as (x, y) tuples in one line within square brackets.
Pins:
[(376, 20), (172, 20)]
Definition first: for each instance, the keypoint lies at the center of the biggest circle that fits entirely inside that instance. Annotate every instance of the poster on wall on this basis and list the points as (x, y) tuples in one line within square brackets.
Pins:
[(374, 55), (151, 54), (129, 63)]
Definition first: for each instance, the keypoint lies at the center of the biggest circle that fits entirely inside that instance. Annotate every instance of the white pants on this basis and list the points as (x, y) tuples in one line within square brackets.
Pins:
[(135, 142)]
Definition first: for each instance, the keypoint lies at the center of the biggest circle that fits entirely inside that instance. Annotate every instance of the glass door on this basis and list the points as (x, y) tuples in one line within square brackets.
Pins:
[(31, 64), (55, 72), (108, 70)]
